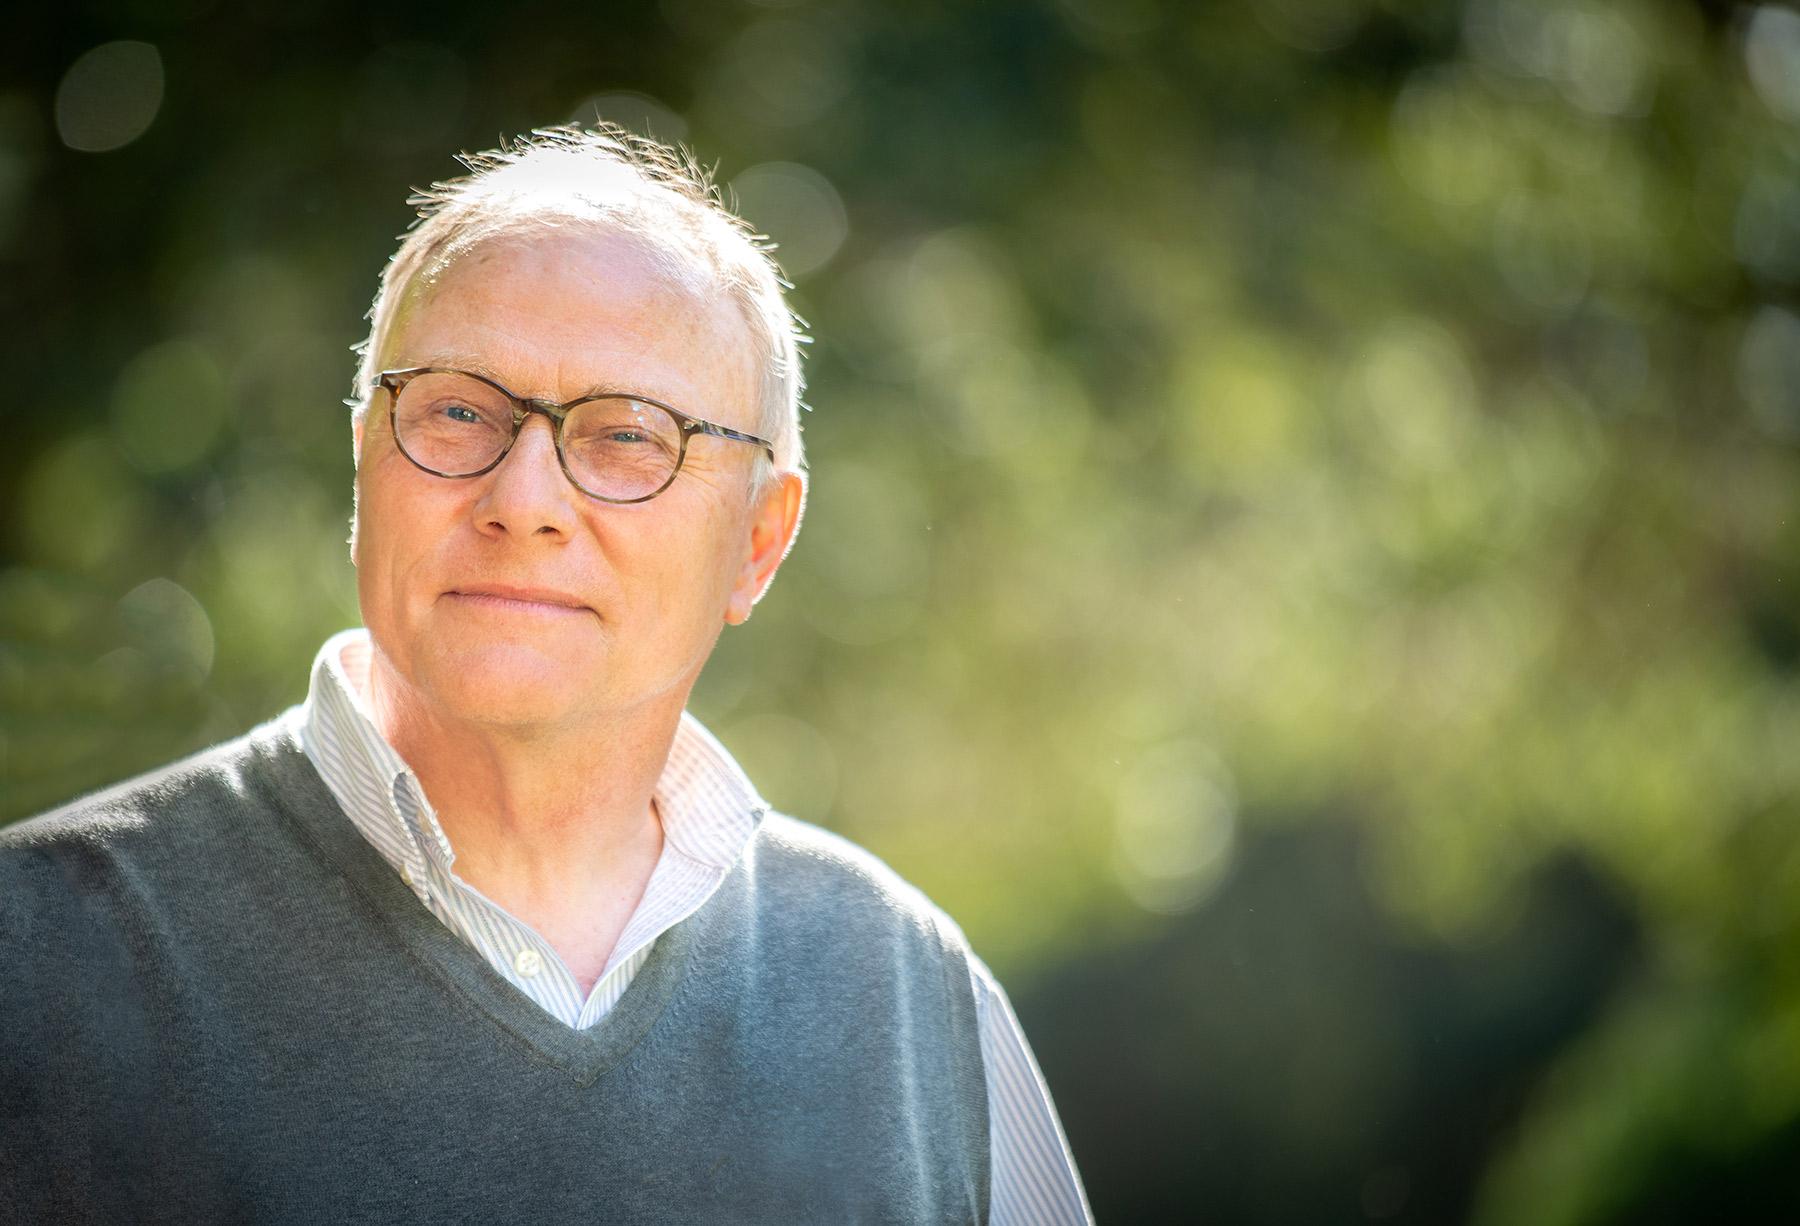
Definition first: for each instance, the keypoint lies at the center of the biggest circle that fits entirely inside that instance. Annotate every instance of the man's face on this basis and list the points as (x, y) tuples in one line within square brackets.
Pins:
[(513, 599)]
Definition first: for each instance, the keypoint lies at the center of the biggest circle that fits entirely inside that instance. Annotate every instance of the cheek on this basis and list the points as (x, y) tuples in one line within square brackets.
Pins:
[(690, 573), (395, 533)]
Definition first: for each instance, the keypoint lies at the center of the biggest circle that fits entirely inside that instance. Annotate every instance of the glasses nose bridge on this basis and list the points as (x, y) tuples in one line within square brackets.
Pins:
[(525, 406)]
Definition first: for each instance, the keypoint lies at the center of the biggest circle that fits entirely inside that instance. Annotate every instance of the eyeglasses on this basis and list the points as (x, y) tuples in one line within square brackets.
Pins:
[(616, 448)]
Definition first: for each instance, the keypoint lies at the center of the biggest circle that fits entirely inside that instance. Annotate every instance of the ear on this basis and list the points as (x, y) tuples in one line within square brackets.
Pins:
[(773, 524)]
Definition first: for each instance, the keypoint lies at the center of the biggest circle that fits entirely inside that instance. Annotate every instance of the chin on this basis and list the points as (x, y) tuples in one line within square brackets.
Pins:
[(507, 684)]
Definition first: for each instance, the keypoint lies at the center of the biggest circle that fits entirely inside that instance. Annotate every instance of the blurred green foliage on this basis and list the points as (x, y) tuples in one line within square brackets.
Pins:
[(1374, 417)]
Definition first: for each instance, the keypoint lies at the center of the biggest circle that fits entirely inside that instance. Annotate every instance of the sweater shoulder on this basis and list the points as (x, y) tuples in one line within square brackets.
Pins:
[(815, 866), (181, 804)]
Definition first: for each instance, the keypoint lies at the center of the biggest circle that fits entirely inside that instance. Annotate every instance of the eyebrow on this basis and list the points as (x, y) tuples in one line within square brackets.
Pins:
[(475, 366)]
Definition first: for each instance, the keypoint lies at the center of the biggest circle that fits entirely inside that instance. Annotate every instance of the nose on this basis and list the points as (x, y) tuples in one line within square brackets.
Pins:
[(527, 495)]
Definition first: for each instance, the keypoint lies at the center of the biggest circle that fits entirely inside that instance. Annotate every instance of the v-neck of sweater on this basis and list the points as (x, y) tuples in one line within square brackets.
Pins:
[(459, 971)]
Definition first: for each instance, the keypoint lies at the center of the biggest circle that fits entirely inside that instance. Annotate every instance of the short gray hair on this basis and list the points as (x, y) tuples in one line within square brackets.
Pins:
[(613, 179)]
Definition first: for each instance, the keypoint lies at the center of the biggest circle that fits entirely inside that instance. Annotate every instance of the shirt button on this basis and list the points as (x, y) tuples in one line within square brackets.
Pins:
[(528, 962)]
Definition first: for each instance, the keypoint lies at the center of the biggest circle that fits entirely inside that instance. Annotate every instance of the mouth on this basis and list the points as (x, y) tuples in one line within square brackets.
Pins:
[(505, 598)]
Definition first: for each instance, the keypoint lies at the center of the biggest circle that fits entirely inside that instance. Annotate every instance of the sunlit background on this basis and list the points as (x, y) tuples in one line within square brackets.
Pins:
[(1304, 549)]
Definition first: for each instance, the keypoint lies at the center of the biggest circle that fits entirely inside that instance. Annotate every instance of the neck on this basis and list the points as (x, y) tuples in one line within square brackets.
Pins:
[(537, 816)]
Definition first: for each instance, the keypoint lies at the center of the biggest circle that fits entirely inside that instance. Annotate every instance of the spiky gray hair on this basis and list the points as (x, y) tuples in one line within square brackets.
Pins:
[(616, 180)]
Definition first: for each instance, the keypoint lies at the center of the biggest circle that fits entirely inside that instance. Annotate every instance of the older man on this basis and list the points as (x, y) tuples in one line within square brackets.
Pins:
[(489, 928)]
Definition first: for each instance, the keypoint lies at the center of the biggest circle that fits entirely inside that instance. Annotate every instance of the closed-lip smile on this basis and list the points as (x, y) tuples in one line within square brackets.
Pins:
[(523, 599)]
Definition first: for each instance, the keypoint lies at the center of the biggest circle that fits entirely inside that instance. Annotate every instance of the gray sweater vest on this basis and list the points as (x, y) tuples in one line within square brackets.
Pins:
[(218, 1003)]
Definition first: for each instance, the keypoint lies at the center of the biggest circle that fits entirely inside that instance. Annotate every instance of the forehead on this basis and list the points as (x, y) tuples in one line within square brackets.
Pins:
[(562, 313)]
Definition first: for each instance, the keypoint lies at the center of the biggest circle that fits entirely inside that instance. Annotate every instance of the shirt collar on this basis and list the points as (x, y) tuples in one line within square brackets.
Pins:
[(707, 805)]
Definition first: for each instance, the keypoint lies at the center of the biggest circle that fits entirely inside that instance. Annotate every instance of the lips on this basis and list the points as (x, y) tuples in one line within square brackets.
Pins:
[(520, 599)]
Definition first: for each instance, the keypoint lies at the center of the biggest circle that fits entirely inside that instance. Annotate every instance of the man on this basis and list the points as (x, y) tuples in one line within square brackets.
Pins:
[(489, 928)]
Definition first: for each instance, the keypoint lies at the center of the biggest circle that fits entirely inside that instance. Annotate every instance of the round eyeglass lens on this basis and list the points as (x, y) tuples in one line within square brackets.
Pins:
[(621, 448), (452, 424)]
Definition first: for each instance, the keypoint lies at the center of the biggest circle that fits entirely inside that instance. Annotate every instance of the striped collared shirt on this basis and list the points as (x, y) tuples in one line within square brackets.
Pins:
[(709, 810)]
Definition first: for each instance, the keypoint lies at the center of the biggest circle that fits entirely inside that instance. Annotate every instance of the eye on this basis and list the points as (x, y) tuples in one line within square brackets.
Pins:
[(625, 435), (462, 413)]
